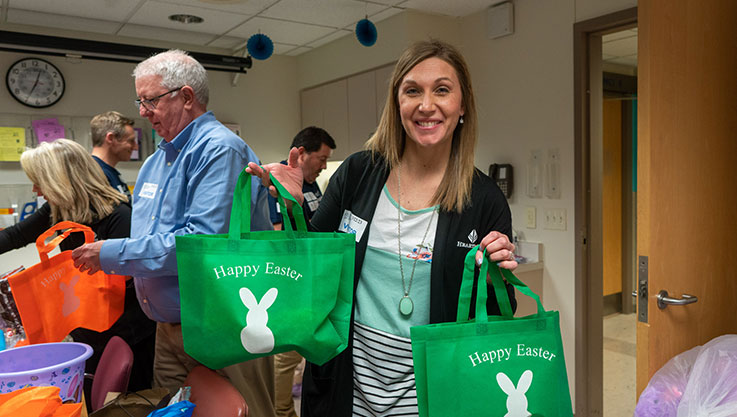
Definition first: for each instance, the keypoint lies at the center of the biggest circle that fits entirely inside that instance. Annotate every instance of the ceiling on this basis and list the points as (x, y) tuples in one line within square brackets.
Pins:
[(295, 26), (620, 48)]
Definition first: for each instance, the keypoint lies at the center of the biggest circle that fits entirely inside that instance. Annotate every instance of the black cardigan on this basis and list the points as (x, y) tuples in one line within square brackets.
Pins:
[(355, 187)]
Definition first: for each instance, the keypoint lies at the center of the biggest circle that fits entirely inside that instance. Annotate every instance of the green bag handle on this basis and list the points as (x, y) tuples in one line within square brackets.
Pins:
[(297, 211), (240, 213), (500, 289)]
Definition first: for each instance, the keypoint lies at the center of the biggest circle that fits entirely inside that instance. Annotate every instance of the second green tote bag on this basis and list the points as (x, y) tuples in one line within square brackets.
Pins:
[(248, 294), (491, 365)]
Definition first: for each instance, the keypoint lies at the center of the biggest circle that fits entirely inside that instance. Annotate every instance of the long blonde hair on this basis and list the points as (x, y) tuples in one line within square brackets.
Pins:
[(454, 191), (71, 181)]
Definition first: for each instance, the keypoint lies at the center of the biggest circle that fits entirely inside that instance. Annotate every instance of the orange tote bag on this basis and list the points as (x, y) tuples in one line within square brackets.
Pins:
[(54, 298)]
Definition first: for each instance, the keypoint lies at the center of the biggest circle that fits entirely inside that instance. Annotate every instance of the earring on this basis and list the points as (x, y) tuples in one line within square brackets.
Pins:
[(460, 120)]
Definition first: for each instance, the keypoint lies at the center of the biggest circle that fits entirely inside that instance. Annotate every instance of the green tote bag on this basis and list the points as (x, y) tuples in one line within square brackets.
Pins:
[(491, 365), (248, 294)]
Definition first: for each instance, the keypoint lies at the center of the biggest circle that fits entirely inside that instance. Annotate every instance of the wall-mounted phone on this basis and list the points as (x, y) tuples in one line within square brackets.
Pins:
[(503, 175)]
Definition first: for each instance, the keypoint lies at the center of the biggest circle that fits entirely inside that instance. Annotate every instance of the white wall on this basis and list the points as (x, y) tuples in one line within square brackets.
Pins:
[(524, 92)]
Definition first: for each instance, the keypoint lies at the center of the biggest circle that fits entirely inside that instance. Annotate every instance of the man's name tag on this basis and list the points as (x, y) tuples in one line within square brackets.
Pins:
[(352, 224), (148, 190)]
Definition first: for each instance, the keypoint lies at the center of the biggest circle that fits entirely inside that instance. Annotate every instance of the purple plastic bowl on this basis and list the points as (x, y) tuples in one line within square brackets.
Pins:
[(45, 364)]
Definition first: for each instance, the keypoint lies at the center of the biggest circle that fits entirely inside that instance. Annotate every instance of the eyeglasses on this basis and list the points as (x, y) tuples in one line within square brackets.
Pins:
[(150, 103)]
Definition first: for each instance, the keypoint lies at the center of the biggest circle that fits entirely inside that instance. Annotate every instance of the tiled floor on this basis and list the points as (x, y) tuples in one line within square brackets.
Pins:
[(619, 365)]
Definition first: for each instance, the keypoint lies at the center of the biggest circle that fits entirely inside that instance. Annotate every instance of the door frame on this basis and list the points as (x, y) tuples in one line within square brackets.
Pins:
[(588, 211)]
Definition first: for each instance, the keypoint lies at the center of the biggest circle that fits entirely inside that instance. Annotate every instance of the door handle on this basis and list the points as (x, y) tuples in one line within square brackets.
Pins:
[(664, 300)]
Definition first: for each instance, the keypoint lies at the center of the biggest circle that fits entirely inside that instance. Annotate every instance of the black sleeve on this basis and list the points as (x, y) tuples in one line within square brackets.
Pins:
[(116, 225), (328, 214), (27, 231)]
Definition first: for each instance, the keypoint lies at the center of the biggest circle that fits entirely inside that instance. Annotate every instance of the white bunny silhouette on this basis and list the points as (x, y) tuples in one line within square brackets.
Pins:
[(71, 301), (516, 399), (256, 337)]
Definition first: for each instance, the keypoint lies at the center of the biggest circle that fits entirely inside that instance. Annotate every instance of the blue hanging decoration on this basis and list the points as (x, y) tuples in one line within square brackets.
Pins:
[(366, 32), (260, 46)]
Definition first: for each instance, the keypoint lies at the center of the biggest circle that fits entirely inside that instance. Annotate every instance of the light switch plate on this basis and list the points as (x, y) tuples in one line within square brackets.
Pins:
[(555, 219), (531, 218)]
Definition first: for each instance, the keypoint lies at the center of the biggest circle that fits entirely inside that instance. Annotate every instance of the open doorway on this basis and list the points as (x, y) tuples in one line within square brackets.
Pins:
[(619, 200), (595, 227)]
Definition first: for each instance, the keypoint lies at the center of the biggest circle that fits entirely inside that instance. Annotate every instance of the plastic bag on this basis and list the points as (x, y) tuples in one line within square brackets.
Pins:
[(37, 402), (180, 409), (11, 325), (699, 382)]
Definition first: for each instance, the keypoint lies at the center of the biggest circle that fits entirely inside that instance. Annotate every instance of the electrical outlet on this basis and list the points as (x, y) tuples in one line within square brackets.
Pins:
[(531, 222), (555, 219)]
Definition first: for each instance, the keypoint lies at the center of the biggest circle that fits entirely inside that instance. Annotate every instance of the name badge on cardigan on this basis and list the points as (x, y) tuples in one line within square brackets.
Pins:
[(350, 223)]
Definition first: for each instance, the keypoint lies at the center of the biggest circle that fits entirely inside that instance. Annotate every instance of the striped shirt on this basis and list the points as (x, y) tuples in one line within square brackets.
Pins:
[(383, 377)]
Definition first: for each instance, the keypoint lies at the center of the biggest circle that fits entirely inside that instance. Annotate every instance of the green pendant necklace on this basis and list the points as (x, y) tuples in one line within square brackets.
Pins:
[(406, 306)]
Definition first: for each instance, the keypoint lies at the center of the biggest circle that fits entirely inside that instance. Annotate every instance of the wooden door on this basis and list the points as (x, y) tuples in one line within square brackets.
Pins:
[(687, 174)]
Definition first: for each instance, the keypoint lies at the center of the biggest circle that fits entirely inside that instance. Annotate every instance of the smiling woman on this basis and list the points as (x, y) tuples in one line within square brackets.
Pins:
[(412, 198)]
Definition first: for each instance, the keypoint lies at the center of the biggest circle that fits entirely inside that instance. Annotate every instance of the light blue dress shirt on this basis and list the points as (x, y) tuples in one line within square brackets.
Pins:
[(185, 187)]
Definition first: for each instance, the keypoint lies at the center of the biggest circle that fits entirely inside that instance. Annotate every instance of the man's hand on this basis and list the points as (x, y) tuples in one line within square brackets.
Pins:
[(290, 176), (87, 257)]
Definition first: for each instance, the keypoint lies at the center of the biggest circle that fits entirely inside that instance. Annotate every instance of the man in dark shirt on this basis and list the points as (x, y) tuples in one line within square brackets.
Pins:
[(315, 146), (113, 140)]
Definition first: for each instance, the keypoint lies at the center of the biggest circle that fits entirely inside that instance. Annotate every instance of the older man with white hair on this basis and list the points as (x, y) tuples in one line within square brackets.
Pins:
[(185, 187)]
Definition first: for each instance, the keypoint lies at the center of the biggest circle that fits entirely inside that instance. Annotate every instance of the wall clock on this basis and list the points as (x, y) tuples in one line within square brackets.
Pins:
[(35, 82)]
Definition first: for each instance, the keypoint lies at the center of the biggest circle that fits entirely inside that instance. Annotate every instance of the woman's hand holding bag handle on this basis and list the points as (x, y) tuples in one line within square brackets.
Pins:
[(517, 362)]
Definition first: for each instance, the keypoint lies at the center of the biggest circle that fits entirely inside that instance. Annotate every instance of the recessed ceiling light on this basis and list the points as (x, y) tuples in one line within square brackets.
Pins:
[(186, 18)]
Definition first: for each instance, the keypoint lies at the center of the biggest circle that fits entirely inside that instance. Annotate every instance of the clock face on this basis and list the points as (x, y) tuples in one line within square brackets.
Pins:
[(35, 82)]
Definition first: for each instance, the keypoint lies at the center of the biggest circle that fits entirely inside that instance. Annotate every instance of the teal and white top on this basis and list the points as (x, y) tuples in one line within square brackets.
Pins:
[(383, 377)]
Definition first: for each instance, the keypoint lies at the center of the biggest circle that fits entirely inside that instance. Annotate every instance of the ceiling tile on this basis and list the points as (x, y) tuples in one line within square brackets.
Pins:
[(112, 10), (449, 8), (155, 13), (284, 49), (297, 51), (62, 22), (247, 7), (385, 14), (388, 2), (163, 34), (618, 35), (228, 42), (329, 38), (630, 61), (621, 47), (281, 31), (333, 13)]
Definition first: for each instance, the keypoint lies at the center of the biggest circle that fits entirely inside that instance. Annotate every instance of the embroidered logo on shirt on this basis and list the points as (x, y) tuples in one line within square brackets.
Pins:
[(471, 238), (148, 190)]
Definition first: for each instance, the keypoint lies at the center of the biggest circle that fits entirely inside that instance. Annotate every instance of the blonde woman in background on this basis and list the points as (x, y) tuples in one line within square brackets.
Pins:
[(65, 174)]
